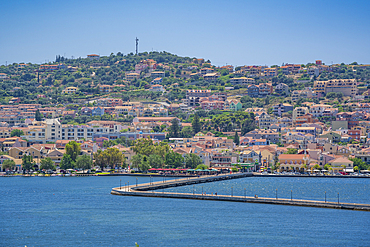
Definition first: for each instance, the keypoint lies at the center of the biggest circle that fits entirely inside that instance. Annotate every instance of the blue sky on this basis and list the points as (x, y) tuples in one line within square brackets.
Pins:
[(226, 32)]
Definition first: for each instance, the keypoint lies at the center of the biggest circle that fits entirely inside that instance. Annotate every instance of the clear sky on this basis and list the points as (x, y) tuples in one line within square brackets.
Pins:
[(226, 32)]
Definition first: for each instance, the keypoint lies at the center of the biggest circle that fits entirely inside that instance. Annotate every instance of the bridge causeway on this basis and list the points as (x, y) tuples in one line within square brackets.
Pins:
[(151, 190)]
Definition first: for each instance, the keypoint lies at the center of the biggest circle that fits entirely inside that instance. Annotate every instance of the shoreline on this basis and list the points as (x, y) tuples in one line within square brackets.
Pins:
[(182, 175)]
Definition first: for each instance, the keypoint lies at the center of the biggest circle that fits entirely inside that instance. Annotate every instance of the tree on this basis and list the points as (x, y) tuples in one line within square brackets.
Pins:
[(316, 167), (174, 129), (236, 139), (359, 163), (136, 160), (201, 167), (192, 160), (73, 149), (8, 165), (196, 124), (84, 162), (16, 132), (27, 163), (113, 157), (47, 164), (173, 159), (327, 166), (144, 166), (38, 115), (143, 146), (248, 125), (187, 132), (67, 162), (155, 161), (355, 168), (292, 151)]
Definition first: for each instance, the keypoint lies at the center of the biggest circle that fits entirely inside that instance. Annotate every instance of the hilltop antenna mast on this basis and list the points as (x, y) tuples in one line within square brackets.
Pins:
[(137, 44)]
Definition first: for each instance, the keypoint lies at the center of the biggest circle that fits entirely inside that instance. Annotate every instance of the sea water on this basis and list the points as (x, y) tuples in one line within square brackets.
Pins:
[(80, 211)]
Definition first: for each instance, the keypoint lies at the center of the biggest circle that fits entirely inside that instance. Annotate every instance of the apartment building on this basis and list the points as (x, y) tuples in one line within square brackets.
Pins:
[(304, 94), (282, 88), (242, 81), (253, 91), (299, 111), (279, 109), (106, 88), (346, 86), (212, 105), (265, 121), (269, 135), (157, 74), (132, 76), (318, 110), (52, 130), (270, 72), (265, 89), (211, 76), (70, 90), (193, 96)]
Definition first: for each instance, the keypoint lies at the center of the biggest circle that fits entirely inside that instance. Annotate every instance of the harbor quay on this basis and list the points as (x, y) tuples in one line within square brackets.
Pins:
[(152, 189)]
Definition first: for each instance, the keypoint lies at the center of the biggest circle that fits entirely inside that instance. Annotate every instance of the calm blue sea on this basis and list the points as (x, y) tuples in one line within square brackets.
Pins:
[(79, 211)]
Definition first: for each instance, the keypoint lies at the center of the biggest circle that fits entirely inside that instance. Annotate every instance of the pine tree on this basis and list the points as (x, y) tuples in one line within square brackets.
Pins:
[(196, 124), (174, 129), (38, 115), (236, 138)]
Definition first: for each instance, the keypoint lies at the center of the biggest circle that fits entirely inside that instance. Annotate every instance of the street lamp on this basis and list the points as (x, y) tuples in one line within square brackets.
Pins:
[(276, 194)]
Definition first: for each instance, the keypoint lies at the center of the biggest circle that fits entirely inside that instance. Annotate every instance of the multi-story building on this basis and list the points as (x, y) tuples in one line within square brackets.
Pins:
[(318, 110), (211, 76), (205, 71), (293, 162), (346, 86), (132, 76), (269, 135), (106, 88), (282, 88), (253, 91), (212, 105), (265, 89), (70, 90), (241, 81), (306, 93), (299, 111), (279, 109), (270, 72), (265, 121), (193, 96), (233, 105), (157, 74)]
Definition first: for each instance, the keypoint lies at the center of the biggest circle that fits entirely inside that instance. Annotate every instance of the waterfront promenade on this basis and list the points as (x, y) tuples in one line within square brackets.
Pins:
[(152, 189)]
